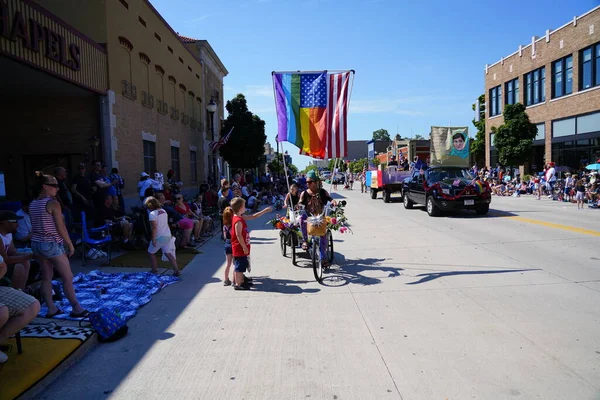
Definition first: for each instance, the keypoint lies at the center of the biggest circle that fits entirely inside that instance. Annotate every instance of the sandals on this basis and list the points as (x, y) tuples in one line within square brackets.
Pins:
[(177, 273), (58, 311), (82, 314)]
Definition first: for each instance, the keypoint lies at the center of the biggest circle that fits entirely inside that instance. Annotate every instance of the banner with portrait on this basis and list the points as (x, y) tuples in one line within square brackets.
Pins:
[(450, 146)]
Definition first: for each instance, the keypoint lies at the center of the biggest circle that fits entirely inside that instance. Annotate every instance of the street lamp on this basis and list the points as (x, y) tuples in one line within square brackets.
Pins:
[(212, 108)]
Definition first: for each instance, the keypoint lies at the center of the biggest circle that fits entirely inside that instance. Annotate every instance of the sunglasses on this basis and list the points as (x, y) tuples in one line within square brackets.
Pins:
[(179, 198), (54, 185), (310, 181)]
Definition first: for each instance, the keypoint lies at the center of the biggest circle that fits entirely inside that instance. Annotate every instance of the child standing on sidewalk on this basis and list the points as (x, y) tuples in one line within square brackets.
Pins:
[(227, 220), (579, 193), (161, 235), (240, 242)]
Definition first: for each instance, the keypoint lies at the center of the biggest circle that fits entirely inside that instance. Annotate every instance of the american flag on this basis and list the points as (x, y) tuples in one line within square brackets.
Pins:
[(337, 110), (214, 146)]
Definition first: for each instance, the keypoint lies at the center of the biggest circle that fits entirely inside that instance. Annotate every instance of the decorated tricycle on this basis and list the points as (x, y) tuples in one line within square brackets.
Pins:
[(317, 226)]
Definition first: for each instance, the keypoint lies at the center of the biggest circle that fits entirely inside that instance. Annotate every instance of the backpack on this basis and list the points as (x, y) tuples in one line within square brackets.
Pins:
[(110, 326)]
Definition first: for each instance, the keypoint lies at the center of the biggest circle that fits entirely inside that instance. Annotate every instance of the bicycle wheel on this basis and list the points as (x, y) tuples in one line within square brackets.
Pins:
[(329, 246), (316, 260), (282, 243)]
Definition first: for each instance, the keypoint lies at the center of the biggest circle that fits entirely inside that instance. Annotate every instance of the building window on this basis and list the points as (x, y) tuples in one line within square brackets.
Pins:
[(590, 67), (149, 156), (193, 166), (562, 77), (564, 127), (512, 91), (588, 123), (496, 100), (175, 160), (535, 87), (541, 131)]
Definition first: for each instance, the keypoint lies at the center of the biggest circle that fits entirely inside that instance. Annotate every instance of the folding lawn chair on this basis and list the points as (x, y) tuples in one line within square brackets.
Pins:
[(94, 248)]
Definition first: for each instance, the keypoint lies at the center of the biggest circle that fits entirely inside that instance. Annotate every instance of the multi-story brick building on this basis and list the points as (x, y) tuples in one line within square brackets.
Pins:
[(557, 77), (111, 80)]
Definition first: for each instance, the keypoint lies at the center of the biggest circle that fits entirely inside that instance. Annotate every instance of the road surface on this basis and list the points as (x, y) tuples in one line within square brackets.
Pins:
[(464, 307)]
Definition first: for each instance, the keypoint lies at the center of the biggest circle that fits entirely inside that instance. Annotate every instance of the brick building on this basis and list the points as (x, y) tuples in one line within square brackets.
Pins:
[(112, 80), (557, 77)]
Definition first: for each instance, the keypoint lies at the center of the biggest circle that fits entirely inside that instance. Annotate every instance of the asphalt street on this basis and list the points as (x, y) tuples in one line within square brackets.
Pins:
[(460, 307)]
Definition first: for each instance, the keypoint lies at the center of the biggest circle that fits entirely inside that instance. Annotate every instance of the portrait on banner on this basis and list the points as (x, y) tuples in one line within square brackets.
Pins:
[(450, 146)]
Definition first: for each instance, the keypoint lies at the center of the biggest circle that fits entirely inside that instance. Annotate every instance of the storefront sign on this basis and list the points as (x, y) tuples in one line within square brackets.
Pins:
[(38, 38), (31, 34)]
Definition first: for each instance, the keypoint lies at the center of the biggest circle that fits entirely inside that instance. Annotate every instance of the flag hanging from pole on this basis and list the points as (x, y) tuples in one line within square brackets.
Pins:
[(312, 112), (214, 146)]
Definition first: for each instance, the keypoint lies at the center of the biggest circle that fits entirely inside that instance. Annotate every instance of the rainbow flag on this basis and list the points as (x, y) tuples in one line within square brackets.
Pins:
[(478, 187), (312, 111)]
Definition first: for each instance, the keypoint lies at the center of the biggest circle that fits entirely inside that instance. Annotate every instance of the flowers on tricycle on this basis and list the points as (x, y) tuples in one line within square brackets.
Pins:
[(337, 221), (282, 223)]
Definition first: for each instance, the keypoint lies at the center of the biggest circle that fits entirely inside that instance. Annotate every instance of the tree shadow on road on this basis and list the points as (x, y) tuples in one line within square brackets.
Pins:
[(285, 286), (430, 276), (352, 271)]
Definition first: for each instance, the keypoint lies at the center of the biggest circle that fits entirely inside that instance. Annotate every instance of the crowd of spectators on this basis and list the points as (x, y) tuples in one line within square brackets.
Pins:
[(578, 187)]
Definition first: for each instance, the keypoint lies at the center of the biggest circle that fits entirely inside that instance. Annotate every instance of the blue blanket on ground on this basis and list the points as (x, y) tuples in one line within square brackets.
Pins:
[(120, 293)]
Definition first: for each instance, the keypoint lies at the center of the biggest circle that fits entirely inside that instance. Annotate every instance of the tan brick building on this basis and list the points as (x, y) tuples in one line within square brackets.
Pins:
[(557, 77), (125, 88)]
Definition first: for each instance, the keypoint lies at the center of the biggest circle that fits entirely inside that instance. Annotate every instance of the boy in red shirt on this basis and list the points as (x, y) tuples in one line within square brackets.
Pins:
[(240, 241)]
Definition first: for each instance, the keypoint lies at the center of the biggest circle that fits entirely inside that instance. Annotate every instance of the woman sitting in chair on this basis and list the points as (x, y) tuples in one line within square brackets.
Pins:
[(314, 199)]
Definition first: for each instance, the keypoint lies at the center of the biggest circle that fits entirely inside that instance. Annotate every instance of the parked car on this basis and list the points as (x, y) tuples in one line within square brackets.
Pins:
[(445, 188)]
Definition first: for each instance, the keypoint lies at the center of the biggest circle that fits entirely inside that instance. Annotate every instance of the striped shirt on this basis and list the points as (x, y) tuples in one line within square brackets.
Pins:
[(43, 225)]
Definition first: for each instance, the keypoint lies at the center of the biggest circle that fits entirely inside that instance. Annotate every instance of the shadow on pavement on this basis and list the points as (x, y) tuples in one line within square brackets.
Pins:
[(427, 277), (351, 271), (285, 286), (466, 214)]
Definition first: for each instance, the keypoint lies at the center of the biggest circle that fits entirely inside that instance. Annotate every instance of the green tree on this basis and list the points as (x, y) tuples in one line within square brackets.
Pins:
[(381, 134), (419, 137), (246, 145), (514, 138), (478, 145)]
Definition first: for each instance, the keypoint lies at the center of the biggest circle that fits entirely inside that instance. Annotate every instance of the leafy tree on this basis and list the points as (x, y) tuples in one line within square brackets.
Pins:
[(514, 138), (381, 134), (478, 145), (246, 145), (419, 137), (398, 137)]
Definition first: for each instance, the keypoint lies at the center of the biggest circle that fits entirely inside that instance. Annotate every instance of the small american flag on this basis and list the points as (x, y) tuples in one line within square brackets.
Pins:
[(214, 146)]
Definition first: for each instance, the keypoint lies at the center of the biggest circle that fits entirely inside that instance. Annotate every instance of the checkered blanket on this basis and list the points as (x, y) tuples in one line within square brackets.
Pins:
[(53, 331), (120, 293)]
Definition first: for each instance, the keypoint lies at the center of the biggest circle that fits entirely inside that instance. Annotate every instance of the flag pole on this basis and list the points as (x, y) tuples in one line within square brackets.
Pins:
[(287, 181), (326, 71)]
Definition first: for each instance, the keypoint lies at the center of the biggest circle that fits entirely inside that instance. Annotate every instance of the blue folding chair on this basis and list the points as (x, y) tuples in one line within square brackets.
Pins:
[(95, 246)]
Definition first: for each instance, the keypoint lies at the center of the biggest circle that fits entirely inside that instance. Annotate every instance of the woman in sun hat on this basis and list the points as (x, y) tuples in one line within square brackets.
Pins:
[(314, 199)]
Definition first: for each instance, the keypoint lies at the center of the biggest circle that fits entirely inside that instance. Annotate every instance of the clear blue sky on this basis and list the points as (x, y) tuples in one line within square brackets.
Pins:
[(418, 63)]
